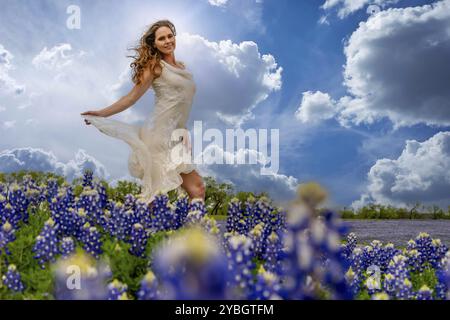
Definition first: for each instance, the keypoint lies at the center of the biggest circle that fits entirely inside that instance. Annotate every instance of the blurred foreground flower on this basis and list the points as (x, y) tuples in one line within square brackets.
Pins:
[(311, 194), (191, 265), (80, 277), (149, 287)]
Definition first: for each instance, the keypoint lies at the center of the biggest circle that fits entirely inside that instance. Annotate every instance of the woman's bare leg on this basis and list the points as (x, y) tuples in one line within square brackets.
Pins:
[(193, 184)]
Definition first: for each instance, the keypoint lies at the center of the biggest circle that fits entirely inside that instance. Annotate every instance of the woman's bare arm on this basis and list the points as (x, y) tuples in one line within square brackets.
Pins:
[(128, 100), (132, 97)]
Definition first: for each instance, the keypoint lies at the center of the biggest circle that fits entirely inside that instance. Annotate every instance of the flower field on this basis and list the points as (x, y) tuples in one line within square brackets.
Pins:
[(73, 241)]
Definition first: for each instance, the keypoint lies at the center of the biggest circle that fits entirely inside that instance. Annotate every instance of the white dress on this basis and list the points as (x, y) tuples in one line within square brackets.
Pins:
[(151, 143)]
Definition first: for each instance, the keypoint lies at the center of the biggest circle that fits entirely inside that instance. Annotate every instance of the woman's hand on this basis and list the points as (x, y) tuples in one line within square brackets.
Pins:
[(92, 113)]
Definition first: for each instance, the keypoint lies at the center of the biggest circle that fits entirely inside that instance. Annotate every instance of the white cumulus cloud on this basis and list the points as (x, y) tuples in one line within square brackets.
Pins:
[(315, 107), (420, 174), (56, 57), (398, 68), (347, 7), (7, 83), (218, 3), (246, 176), (40, 160)]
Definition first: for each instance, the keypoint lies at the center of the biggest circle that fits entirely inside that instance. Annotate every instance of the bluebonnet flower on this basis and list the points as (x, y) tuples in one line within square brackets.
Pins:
[(397, 283), (89, 200), (4, 215), (59, 210), (247, 214), (354, 280), (405, 290), (43, 193), (12, 279), (127, 222), (46, 246), (266, 287), (149, 287), (88, 178), (6, 236), (197, 204), (119, 222), (181, 210), (233, 214), (138, 240), (30, 186), (162, 212), (103, 197), (368, 256), (312, 251), (33, 198), (276, 220), (9, 214), (69, 197), (257, 237), (389, 251), (411, 244), (28, 182), (194, 217), (273, 252), (240, 265), (414, 260), (209, 224), (112, 221), (355, 273), (129, 202), (389, 284), (142, 213), (91, 240), (373, 285), (67, 247), (423, 245), (376, 254), (117, 290), (424, 293), (350, 245), (51, 189), (260, 210), (19, 201), (437, 252), (191, 265), (76, 219), (443, 278)]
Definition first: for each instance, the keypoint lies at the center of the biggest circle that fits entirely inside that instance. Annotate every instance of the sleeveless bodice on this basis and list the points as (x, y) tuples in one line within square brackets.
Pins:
[(174, 93)]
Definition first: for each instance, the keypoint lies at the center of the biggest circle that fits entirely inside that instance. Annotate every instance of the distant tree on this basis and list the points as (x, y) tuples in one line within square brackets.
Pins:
[(436, 212), (413, 210), (123, 188), (347, 213), (216, 195), (38, 176)]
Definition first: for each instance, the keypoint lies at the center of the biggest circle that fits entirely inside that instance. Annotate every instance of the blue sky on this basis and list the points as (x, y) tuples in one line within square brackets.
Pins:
[(359, 98)]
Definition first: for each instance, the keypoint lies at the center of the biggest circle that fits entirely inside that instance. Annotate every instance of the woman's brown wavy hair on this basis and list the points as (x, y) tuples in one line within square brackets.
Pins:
[(146, 52)]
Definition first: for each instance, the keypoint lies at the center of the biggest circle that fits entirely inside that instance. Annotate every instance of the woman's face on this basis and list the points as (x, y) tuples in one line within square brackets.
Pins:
[(165, 40)]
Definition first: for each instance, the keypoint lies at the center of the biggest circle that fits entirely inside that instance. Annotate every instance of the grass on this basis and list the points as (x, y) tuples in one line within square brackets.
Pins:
[(219, 217)]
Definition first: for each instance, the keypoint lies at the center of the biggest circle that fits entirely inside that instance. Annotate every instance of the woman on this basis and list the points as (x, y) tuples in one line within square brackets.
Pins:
[(150, 160)]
